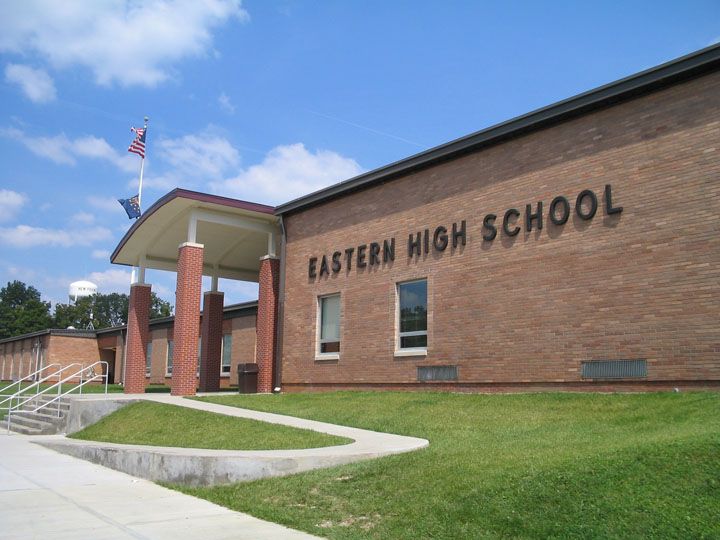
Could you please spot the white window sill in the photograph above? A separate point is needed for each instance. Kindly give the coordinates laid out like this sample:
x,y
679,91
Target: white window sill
x,y
226,375
410,352
327,356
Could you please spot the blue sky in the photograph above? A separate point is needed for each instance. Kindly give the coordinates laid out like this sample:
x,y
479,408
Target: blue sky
x,y
269,100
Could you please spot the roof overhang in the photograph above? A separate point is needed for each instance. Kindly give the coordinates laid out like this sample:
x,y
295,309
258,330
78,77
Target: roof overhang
x,y
235,234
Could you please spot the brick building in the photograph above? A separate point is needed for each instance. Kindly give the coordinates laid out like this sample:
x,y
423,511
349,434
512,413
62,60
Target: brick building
x,y
22,355
574,247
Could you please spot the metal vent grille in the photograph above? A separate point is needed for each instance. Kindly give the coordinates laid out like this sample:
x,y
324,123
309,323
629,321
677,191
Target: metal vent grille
x,y
614,369
437,373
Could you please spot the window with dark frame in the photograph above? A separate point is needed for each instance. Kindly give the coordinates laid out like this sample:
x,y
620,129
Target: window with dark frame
x,y
199,356
148,358
226,354
329,324
170,347
412,311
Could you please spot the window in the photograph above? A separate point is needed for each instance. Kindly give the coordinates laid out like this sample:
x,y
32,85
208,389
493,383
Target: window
x,y
226,354
170,347
199,356
148,358
329,326
412,313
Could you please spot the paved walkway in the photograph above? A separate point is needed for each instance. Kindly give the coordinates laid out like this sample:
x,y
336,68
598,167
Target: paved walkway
x,y
49,496
195,466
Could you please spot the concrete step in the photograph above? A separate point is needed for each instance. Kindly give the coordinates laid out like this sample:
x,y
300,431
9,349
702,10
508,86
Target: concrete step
x,y
45,421
25,430
31,426
63,404
45,415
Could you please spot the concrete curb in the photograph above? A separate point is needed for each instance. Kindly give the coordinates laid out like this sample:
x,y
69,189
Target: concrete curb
x,y
201,467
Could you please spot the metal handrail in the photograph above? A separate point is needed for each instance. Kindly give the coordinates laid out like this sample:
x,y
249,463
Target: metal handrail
x,y
78,374
36,385
28,376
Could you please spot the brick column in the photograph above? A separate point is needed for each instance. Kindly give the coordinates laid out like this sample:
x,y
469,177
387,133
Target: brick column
x,y
138,331
211,331
266,324
187,319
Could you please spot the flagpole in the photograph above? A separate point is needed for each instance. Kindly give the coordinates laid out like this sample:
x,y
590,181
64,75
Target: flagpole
x,y
142,168
133,273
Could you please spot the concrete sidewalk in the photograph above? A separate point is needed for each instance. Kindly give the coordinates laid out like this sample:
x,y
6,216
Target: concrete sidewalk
x,y
201,467
48,496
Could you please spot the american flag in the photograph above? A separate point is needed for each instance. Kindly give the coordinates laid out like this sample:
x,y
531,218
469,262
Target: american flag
x,y
138,144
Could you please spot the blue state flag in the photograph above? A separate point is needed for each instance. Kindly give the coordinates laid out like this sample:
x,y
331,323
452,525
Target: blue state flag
x,y
131,206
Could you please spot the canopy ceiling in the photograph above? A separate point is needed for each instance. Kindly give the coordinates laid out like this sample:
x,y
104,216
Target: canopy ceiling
x,y
235,234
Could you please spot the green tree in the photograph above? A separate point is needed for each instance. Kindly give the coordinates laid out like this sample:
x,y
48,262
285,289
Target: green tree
x,y
21,310
104,310
159,307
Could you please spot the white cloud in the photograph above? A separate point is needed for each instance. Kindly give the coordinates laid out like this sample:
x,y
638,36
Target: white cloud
x,y
25,236
10,204
102,254
84,218
207,160
98,148
36,84
202,155
160,183
238,291
103,203
112,280
287,172
163,292
225,103
125,42
62,150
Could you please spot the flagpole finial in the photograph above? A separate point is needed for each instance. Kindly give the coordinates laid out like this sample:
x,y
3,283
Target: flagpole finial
x,y
146,120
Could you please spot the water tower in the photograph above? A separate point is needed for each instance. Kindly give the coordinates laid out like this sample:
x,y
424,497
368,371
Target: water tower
x,y
80,289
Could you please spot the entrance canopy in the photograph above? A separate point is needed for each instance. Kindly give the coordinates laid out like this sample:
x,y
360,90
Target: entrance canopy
x,y
235,234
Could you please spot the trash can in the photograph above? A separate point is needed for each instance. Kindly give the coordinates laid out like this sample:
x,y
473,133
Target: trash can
x,y
247,378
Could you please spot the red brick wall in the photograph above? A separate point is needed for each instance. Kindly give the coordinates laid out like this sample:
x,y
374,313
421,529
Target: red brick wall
x,y
242,328
212,332
243,349
18,359
138,335
66,350
187,319
267,322
527,310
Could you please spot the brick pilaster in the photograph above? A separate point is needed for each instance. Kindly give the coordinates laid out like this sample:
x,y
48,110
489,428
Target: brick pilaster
x,y
211,331
187,319
267,321
138,331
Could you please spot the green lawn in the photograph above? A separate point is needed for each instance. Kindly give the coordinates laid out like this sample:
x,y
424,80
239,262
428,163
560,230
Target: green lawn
x,y
521,466
90,388
159,424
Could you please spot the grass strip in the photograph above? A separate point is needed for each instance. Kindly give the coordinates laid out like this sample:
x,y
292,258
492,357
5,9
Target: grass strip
x,y
498,466
159,424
